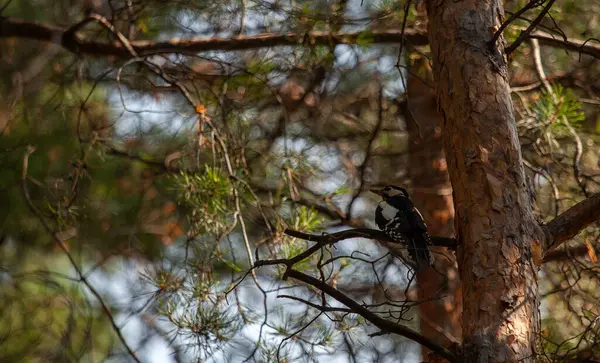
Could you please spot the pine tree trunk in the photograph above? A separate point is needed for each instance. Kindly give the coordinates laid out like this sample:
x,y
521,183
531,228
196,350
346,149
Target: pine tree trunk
x,y
432,193
494,221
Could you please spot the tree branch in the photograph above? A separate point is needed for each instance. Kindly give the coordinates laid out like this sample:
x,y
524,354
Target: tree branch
x,y
525,34
572,221
513,17
564,254
321,308
383,324
575,45
363,233
10,27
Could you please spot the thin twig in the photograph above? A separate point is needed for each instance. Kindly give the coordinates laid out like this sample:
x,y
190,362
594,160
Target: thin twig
x,y
316,306
525,34
550,179
5,6
401,47
539,68
513,17
242,17
64,248
373,318
368,152
102,20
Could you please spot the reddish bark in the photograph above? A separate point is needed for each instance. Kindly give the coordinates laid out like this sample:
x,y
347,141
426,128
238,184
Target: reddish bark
x,y
494,221
432,192
572,221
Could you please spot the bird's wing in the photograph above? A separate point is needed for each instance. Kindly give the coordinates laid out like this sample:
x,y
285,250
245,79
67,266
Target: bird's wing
x,y
418,250
419,221
379,219
400,222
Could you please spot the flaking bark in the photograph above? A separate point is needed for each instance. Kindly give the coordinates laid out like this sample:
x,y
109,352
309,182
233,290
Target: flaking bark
x,y
494,221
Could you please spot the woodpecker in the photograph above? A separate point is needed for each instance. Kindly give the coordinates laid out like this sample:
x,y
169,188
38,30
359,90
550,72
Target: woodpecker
x,y
397,216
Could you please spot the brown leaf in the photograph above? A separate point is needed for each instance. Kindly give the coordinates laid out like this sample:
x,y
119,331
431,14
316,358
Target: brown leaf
x,y
201,109
591,251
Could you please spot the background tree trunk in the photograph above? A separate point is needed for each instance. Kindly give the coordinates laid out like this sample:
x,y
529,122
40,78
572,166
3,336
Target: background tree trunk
x,y
494,221
432,192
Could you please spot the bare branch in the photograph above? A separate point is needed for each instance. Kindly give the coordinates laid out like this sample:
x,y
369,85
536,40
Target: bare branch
x,y
383,324
572,221
321,308
574,45
513,17
355,307
10,27
369,150
565,254
525,34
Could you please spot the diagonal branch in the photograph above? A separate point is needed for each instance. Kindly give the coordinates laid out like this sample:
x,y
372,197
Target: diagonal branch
x,y
383,324
525,34
368,152
321,308
572,221
513,17
354,307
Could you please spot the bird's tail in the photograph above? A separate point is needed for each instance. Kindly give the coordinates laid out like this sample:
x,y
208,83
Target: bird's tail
x,y
419,251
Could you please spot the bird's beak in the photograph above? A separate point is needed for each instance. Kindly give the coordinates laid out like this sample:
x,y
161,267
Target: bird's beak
x,y
378,191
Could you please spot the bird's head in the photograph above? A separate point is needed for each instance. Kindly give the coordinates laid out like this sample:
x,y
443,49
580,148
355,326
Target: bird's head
x,y
390,191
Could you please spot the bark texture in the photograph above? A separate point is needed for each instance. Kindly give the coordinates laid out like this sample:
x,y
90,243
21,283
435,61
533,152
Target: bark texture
x,y
494,221
440,319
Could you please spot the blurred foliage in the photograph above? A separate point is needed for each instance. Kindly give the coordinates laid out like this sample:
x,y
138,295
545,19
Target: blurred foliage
x,y
551,107
164,200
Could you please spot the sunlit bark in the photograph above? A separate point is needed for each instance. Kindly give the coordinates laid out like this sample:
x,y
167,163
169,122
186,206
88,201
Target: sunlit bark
x,y
494,221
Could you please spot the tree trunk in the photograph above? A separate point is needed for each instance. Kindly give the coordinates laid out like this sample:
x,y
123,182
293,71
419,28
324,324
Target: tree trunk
x,y
432,193
495,225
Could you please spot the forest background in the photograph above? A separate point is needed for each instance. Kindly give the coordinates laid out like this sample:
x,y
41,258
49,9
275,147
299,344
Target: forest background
x,y
176,177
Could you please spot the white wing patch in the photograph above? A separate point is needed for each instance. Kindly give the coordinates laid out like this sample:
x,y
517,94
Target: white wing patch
x,y
420,216
388,211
